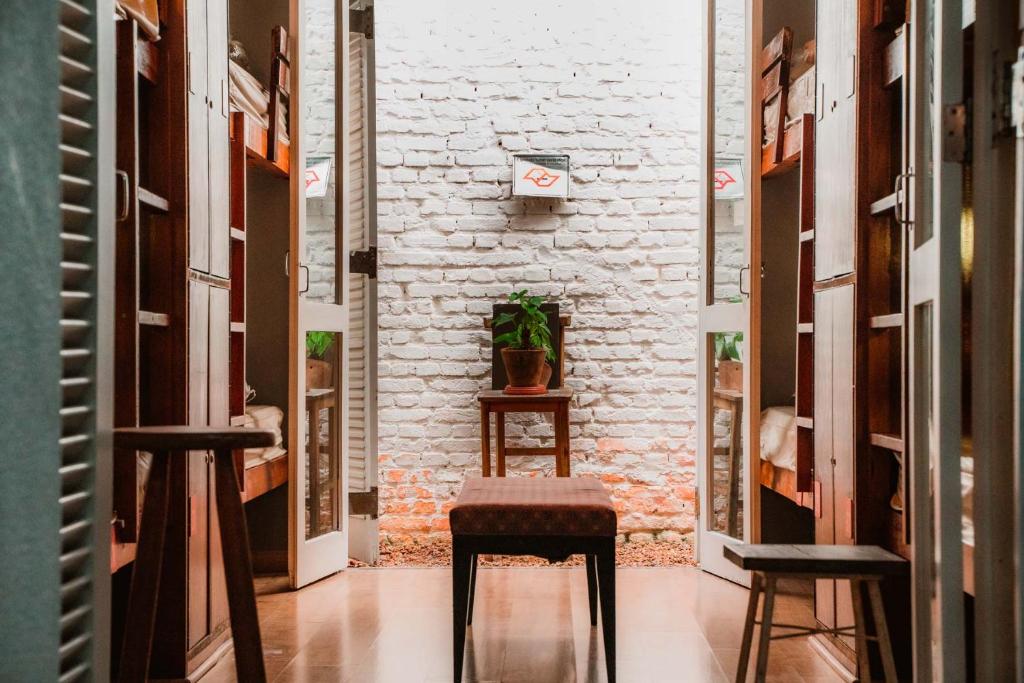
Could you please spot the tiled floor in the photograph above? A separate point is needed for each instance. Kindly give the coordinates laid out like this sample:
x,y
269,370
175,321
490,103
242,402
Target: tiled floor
x,y
675,624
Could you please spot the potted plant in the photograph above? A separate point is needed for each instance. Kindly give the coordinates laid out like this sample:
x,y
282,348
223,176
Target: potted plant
x,y
319,370
729,357
527,344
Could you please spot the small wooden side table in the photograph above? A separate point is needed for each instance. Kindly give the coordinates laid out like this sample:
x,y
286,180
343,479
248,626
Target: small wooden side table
x,y
495,401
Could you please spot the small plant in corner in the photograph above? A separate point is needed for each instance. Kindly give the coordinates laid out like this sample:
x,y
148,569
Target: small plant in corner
x,y
527,343
319,369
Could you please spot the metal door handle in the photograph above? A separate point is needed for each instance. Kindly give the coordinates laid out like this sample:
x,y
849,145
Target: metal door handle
x,y
122,214
744,269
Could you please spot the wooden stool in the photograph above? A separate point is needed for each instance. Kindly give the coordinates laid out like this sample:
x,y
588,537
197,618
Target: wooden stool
x,y
863,565
165,443
549,518
556,401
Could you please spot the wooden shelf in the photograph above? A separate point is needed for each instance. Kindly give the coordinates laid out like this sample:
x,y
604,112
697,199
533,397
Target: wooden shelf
x,y
805,422
806,235
237,234
154,319
153,200
237,328
884,204
892,442
881,322
805,328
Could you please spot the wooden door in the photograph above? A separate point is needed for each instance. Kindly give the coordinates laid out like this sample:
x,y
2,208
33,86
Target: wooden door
x,y
727,502
934,345
319,297
362,369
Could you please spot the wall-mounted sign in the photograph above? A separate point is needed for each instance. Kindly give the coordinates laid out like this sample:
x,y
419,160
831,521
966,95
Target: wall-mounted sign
x,y
540,175
728,179
318,176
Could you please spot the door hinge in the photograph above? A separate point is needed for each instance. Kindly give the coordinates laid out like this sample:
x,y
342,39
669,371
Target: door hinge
x,y
361,21
1017,94
364,261
363,503
955,124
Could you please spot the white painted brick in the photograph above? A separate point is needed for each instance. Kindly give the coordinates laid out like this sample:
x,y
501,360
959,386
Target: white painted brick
x,y
454,101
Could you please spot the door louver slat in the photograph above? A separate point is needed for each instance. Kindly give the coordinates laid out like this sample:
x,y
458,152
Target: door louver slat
x,y
77,118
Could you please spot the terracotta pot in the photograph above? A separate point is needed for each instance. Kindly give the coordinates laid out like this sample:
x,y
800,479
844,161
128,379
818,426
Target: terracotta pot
x,y
546,372
524,367
319,374
730,375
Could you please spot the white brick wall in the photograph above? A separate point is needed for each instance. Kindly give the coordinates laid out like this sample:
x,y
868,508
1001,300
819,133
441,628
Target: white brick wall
x,y
461,85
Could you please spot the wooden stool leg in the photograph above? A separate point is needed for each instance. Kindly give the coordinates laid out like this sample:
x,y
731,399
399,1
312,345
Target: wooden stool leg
x,y
485,441
606,589
766,629
234,539
499,438
860,632
882,631
145,588
748,627
460,602
472,590
592,587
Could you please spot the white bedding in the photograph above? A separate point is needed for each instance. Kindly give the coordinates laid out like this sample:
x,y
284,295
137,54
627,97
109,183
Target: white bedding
x,y
778,437
248,95
264,417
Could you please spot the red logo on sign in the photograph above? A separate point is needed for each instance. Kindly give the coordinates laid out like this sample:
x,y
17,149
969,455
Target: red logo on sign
x,y
311,177
540,177
722,179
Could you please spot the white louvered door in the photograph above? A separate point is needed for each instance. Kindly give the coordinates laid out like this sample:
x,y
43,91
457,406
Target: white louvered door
x,y
362,450
86,122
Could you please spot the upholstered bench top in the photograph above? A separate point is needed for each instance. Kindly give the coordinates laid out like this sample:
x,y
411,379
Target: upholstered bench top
x,y
526,506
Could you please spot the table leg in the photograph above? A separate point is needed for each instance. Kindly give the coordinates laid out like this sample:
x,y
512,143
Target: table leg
x,y
766,629
499,441
562,440
748,627
735,455
860,631
882,631
485,441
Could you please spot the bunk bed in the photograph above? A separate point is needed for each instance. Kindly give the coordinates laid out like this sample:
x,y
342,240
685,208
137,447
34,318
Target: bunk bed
x,y
258,132
779,454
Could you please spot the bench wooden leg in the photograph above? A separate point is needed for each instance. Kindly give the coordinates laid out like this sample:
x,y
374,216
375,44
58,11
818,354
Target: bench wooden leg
x,y
234,539
860,632
606,588
461,561
748,627
882,631
142,596
472,589
766,628
592,587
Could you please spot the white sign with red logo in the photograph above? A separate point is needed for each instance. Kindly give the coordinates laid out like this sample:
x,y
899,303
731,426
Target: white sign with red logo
x,y
728,180
318,176
540,175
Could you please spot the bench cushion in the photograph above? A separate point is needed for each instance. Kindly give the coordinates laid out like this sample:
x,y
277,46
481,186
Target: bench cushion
x,y
523,506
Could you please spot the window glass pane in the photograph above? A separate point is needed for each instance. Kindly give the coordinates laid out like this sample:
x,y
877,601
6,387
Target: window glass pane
x,y
729,205
726,471
323,430
319,126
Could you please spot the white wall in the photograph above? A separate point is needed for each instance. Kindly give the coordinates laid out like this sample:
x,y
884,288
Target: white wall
x,y
463,84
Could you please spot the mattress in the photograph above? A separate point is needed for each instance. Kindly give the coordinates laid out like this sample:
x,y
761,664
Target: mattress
x,y
264,417
248,95
778,437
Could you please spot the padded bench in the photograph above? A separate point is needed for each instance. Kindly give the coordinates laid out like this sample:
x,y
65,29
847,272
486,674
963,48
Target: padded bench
x,y
549,518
